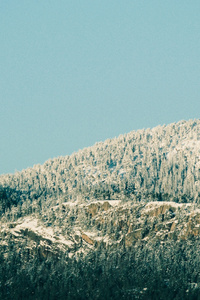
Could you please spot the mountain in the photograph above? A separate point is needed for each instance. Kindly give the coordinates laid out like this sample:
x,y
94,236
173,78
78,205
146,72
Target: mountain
x,y
117,220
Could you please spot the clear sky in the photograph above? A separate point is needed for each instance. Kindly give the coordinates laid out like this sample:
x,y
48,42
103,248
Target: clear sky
x,y
76,72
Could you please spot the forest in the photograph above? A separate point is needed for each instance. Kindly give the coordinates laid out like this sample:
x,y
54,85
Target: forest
x,y
65,195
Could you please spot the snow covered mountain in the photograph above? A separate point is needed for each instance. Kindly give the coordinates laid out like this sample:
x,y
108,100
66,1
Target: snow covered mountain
x,y
160,163
117,220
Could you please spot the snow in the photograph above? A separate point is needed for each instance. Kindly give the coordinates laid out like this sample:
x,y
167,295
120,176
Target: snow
x,y
191,144
161,203
45,232
70,203
111,202
89,233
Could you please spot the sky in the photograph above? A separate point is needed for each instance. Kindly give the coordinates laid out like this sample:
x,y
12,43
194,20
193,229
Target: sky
x,y
73,73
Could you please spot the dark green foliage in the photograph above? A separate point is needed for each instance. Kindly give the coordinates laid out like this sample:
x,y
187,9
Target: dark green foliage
x,y
8,197
170,272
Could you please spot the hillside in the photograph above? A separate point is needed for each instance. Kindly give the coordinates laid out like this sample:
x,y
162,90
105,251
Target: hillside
x,y
117,220
160,163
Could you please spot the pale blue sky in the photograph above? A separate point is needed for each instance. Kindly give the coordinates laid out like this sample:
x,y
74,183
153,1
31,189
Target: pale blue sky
x,y
76,72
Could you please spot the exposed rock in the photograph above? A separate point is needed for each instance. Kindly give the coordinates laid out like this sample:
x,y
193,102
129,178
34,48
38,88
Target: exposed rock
x,y
34,236
104,224
173,226
154,209
93,209
87,239
133,236
106,205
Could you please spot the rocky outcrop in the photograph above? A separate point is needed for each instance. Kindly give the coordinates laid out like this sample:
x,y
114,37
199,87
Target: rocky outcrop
x,y
86,238
96,207
101,224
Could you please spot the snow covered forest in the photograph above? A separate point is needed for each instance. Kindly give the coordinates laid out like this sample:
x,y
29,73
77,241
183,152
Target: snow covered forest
x,y
162,163
118,220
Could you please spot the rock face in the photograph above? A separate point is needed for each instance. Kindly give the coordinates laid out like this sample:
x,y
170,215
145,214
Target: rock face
x,y
101,239
94,208
87,239
101,223
154,209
